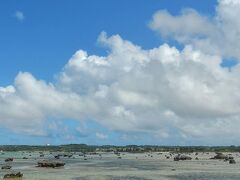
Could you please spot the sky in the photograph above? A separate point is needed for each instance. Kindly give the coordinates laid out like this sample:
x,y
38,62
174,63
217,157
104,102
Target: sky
x,y
120,72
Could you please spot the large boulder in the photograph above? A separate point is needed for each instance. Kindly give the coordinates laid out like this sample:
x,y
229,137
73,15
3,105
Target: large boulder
x,y
181,157
51,163
13,175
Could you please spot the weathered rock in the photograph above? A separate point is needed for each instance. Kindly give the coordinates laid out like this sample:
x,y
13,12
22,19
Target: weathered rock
x,y
220,156
8,159
181,157
13,175
232,161
6,167
51,163
57,157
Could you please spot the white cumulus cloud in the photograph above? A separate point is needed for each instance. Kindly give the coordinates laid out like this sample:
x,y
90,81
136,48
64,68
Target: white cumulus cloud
x,y
216,35
161,91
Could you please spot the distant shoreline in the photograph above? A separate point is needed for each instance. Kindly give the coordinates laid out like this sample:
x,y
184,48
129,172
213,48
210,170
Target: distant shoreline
x,y
112,148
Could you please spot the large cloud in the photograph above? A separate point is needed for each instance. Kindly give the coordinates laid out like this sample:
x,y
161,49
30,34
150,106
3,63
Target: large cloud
x,y
217,35
157,91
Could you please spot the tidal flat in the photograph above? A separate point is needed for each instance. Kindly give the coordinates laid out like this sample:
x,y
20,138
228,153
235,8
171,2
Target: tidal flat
x,y
123,166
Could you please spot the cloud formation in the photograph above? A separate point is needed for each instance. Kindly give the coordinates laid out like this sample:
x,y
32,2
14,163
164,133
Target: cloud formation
x,y
215,35
162,91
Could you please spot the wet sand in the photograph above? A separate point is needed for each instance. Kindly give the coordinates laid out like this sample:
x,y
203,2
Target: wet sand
x,y
142,166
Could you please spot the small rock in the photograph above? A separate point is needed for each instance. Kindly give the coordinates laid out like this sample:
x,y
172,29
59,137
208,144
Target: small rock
x,y
13,175
232,161
6,167
8,159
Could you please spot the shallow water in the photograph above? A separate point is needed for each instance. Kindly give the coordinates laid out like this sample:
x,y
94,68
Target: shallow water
x,y
130,167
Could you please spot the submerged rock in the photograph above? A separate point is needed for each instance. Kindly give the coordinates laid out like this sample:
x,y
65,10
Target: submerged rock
x,y
51,163
13,175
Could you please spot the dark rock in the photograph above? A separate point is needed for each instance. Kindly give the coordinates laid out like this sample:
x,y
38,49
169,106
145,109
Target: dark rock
x,y
57,157
8,159
6,167
13,175
25,158
51,163
232,161
220,156
181,157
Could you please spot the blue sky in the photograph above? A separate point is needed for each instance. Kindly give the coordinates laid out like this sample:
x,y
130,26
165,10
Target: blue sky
x,y
39,37
52,31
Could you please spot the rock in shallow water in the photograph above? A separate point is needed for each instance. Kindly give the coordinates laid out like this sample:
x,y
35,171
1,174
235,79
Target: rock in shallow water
x,y
220,156
8,159
51,163
181,157
6,167
13,175
232,161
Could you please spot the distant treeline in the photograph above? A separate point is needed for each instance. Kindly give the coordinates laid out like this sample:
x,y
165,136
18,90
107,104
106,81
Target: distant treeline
x,y
129,148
